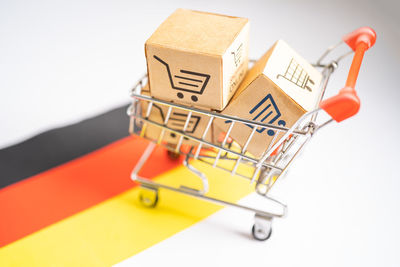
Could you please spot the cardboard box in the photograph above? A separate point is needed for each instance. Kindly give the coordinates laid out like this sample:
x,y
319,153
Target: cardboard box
x,y
196,127
197,58
278,90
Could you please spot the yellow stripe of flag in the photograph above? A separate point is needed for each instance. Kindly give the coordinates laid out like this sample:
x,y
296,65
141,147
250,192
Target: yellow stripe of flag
x,y
120,227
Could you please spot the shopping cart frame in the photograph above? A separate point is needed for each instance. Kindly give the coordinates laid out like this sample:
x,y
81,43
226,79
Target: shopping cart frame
x,y
286,145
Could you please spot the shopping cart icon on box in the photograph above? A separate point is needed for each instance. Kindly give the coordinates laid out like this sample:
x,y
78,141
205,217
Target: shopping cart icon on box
x,y
263,110
237,55
187,81
297,75
178,122
266,109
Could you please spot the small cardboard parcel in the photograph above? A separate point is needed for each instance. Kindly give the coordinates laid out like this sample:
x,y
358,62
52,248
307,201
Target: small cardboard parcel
x,y
277,90
196,126
197,58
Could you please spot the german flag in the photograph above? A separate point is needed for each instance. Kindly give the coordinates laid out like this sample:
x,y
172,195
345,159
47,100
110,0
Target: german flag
x,y
66,197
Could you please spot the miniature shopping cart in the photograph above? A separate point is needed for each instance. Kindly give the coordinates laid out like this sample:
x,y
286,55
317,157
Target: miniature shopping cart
x,y
285,146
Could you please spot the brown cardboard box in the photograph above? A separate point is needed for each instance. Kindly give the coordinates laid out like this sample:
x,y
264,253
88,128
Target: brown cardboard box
x,y
278,90
197,58
196,127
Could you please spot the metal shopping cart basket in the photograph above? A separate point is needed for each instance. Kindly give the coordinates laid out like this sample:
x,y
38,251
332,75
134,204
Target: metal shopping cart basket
x,y
265,170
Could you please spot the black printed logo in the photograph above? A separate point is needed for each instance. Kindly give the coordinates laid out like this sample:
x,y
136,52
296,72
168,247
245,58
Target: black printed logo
x,y
187,81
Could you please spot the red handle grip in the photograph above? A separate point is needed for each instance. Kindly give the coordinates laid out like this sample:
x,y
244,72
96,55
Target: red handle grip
x,y
346,103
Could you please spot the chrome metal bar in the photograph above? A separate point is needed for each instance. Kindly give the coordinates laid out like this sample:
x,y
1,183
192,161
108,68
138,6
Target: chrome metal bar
x,y
225,169
139,84
149,109
273,140
266,214
161,136
325,123
327,51
143,131
243,150
286,135
131,124
248,158
286,149
217,115
270,178
144,128
255,173
146,154
340,58
307,139
324,83
203,137
224,142
184,130
264,153
199,174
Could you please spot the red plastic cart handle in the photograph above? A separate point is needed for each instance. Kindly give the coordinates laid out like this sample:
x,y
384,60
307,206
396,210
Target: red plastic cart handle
x,y
346,103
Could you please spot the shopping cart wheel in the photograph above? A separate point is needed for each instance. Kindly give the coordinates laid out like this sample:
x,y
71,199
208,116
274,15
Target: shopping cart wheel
x,y
261,233
148,196
262,228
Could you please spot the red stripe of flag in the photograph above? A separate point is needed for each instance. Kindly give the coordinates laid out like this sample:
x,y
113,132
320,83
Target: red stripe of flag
x,y
53,195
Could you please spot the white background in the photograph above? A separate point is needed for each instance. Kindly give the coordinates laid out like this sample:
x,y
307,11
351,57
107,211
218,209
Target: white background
x,y
62,61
